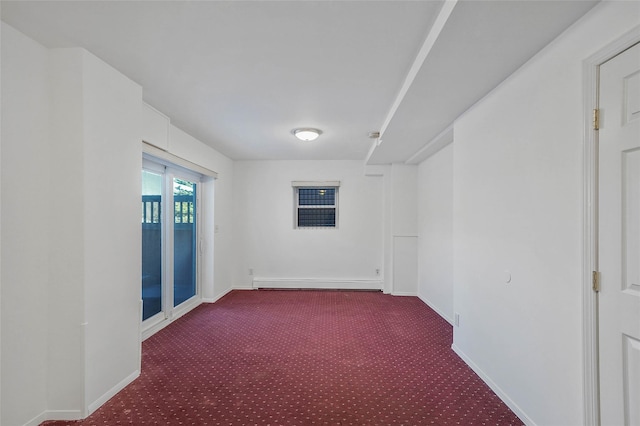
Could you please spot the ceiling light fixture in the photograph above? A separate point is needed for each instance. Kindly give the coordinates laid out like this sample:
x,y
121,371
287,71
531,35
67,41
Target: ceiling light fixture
x,y
306,134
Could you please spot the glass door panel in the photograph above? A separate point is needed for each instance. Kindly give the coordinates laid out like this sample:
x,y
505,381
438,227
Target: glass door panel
x,y
151,244
170,281
184,241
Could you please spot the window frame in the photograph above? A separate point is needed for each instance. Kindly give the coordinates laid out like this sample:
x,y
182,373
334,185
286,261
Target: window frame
x,y
297,185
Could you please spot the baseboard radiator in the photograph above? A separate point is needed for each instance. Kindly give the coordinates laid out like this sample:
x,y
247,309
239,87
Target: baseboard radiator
x,y
317,283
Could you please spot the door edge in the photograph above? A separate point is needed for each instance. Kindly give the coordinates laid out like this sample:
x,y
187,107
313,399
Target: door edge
x,y
591,384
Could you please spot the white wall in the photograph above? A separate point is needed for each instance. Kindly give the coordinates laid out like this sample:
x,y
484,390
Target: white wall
x,y
404,205
112,107
264,217
435,230
71,142
24,242
403,229
517,206
65,187
399,226
94,230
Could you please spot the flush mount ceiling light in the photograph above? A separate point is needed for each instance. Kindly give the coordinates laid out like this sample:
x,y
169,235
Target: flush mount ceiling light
x,y
306,134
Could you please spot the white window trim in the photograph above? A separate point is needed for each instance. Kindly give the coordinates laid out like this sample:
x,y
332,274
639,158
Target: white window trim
x,y
315,184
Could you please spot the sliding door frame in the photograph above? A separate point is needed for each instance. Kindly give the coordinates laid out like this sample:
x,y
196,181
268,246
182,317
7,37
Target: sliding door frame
x,y
153,321
195,300
170,312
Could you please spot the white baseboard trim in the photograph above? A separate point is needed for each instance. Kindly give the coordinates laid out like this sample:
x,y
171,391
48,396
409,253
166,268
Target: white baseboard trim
x,y
403,293
54,415
438,311
218,297
494,387
111,392
42,417
243,287
317,283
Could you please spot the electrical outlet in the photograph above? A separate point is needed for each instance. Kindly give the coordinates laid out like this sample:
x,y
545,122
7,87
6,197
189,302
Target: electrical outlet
x,y
250,271
377,272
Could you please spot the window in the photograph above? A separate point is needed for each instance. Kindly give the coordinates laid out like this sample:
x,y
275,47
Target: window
x,y
316,204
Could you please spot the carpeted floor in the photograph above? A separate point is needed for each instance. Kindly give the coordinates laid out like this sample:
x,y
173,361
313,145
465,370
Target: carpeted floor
x,y
304,358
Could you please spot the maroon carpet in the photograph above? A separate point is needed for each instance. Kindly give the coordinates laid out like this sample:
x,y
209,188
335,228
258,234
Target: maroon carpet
x,y
302,358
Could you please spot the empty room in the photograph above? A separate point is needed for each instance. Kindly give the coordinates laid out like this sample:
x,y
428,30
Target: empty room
x,y
320,212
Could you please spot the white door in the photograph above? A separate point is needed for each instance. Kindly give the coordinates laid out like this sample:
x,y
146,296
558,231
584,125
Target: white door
x,y
619,239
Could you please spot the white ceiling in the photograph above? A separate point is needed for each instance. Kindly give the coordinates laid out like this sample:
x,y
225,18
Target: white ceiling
x,y
240,75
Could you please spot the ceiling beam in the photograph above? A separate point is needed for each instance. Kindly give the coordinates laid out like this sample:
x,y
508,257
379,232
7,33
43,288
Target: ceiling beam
x,y
432,147
430,40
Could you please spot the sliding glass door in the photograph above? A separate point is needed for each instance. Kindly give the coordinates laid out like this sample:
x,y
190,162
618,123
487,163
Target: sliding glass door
x,y
152,288
184,240
170,237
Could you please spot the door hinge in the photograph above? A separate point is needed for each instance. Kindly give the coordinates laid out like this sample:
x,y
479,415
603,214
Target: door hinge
x,y
596,119
595,279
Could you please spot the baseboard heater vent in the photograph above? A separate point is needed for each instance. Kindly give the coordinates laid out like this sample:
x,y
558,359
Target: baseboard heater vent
x,y
317,283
